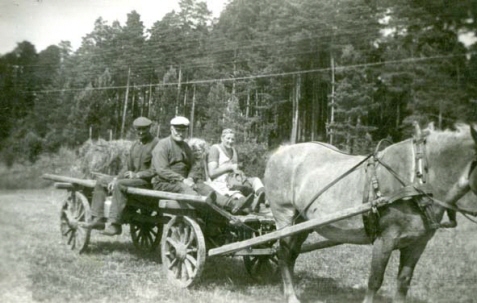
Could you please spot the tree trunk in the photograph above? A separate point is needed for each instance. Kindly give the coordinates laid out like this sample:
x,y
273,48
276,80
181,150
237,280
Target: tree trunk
x,y
178,91
125,105
332,116
192,114
296,110
247,110
149,103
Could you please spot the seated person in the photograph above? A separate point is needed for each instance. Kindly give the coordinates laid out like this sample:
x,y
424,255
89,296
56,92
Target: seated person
x,y
175,168
199,149
137,173
223,161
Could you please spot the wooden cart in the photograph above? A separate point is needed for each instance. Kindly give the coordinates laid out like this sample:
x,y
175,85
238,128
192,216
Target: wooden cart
x,y
189,227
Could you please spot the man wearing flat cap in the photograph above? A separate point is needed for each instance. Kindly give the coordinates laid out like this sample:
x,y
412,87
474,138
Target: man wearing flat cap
x,y
173,161
137,173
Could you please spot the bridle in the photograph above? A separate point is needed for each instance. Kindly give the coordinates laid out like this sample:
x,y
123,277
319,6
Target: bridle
x,y
473,175
417,189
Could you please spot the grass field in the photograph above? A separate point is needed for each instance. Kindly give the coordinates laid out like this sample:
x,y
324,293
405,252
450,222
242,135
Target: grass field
x,y
35,266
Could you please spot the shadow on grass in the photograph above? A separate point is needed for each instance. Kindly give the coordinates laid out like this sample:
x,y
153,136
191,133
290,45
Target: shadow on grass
x,y
230,274
223,271
328,290
106,247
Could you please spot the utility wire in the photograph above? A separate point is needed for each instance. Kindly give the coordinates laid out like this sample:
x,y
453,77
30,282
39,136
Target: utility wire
x,y
272,75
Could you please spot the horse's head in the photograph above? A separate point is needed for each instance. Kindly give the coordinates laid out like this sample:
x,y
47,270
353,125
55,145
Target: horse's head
x,y
452,161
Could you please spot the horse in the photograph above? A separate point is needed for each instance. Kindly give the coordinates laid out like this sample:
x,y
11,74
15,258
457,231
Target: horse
x,y
311,180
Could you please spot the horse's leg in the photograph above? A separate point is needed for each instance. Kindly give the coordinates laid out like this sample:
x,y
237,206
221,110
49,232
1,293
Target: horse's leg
x,y
287,255
410,255
382,249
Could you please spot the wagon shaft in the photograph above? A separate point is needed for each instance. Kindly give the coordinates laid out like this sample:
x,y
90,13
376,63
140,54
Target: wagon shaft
x,y
298,228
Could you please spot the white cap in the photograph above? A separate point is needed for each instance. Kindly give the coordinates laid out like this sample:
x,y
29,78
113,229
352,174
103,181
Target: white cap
x,y
180,121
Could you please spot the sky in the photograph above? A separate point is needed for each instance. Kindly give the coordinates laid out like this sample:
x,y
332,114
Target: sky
x,y
48,22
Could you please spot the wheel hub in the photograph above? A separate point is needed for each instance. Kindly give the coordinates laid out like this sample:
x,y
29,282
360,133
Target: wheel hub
x,y
181,252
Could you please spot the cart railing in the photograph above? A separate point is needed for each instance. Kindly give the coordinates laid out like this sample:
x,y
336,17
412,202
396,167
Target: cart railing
x,y
132,190
58,178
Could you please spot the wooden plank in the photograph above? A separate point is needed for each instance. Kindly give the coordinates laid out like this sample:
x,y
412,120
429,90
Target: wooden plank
x,y
309,247
166,195
77,181
64,185
295,229
131,190
256,252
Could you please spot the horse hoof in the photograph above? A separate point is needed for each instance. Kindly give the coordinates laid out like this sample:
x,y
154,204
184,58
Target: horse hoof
x,y
293,299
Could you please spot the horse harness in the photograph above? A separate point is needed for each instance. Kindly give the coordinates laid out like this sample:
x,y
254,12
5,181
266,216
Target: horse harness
x,y
419,191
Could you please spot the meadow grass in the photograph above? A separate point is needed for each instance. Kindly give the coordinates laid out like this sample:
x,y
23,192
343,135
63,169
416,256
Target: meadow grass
x,y
36,266
26,175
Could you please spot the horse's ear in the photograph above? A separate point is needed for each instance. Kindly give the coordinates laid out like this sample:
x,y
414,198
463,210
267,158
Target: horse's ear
x,y
473,131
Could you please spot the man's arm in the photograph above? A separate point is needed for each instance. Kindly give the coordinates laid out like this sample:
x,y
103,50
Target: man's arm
x,y
126,170
146,174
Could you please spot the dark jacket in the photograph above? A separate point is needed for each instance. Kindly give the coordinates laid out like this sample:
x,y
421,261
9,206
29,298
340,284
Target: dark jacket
x,y
172,160
140,159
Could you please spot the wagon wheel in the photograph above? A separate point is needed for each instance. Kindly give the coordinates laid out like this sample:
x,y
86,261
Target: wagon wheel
x,y
146,236
183,251
262,268
75,211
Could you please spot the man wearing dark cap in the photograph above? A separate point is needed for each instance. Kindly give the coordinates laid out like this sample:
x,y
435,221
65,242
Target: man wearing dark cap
x,y
137,173
173,160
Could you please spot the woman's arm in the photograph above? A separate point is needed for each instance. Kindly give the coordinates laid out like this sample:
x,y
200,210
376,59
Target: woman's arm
x,y
213,164
216,171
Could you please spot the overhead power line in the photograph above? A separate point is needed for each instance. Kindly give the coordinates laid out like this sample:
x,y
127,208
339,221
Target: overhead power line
x,y
272,75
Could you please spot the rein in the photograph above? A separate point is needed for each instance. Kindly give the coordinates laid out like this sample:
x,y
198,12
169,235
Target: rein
x,y
421,169
349,171
418,188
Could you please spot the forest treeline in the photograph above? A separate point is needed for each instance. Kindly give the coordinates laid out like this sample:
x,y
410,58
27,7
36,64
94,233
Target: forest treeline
x,y
348,72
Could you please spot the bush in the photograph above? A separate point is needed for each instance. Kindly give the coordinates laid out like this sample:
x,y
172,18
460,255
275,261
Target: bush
x,y
253,157
33,146
53,141
28,176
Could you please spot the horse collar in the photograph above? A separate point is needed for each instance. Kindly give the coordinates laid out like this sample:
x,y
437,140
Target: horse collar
x,y
420,159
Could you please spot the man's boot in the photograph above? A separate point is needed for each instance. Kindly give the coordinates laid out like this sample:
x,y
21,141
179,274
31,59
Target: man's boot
x,y
96,223
242,204
113,229
259,199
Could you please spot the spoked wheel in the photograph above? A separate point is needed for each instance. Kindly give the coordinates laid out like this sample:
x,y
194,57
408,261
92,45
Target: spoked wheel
x,y
183,251
262,268
74,212
146,236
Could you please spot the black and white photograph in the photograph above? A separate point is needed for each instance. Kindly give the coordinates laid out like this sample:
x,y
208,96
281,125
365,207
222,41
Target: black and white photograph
x,y
238,151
